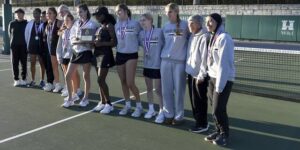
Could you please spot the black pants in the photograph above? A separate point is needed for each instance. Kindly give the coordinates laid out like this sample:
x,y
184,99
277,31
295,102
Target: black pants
x,y
19,54
48,66
198,97
219,103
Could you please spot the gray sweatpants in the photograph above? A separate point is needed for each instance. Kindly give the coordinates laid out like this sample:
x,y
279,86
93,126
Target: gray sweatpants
x,y
173,80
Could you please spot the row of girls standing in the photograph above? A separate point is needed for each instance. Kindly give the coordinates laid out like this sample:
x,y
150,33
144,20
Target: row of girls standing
x,y
178,48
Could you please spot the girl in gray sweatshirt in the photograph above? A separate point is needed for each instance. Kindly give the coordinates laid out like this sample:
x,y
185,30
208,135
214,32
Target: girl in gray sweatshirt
x,y
127,31
151,39
173,65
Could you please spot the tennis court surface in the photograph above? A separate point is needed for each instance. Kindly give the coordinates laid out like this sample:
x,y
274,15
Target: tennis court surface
x,y
32,119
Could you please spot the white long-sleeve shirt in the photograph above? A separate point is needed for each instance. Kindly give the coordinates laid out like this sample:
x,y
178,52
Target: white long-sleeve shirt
x,y
75,31
196,61
64,48
222,67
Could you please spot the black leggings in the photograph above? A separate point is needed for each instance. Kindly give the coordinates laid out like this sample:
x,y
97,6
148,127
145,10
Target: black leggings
x,y
219,104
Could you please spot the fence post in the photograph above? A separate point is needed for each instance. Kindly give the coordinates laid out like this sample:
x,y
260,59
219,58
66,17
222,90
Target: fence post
x,y
7,17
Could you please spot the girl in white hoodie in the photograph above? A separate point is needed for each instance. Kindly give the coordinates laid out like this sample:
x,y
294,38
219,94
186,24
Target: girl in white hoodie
x,y
221,70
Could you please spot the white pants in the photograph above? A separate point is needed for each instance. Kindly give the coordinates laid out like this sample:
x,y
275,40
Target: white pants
x,y
173,79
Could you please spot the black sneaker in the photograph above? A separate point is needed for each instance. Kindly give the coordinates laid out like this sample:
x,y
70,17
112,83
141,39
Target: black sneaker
x,y
199,129
211,137
31,84
220,140
42,83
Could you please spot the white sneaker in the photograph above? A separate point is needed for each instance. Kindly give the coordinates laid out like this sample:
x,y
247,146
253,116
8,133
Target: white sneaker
x,y
75,98
84,102
22,82
16,83
57,88
137,112
150,114
125,110
160,118
107,109
48,87
79,92
99,107
64,89
64,93
67,104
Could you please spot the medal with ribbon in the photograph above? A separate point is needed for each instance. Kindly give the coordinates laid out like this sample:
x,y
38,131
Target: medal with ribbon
x,y
210,47
147,41
36,27
50,30
66,39
81,25
122,30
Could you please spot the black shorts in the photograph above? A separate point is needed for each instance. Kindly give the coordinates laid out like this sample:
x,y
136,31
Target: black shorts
x,y
151,73
53,52
82,57
33,52
122,58
105,61
65,61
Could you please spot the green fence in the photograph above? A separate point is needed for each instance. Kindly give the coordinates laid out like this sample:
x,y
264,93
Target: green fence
x,y
273,28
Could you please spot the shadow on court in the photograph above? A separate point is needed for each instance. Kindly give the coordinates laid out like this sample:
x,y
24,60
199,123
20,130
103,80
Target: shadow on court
x,y
244,134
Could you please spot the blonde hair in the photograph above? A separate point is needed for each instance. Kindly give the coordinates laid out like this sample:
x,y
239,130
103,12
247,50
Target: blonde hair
x,y
148,16
63,7
175,7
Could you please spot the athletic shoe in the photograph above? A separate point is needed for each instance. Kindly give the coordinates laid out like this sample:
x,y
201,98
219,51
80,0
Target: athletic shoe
x,y
107,109
31,84
42,83
160,118
197,129
23,82
16,83
149,114
99,107
137,112
220,140
64,93
75,98
211,137
79,92
64,89
176,122
48,87
57,88
125,110
84,102
67,104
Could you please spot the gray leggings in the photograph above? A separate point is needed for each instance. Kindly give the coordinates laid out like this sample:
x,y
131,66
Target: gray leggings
x,y
173,79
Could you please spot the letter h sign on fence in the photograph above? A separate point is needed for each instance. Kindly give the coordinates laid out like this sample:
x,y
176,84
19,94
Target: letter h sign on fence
x,y
288,25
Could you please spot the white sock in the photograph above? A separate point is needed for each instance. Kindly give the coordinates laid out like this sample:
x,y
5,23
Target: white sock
x,y
139,104
128,103
151,107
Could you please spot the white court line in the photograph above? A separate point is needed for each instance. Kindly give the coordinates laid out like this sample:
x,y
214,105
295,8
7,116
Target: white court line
x,y
5,69
57,122
4,61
